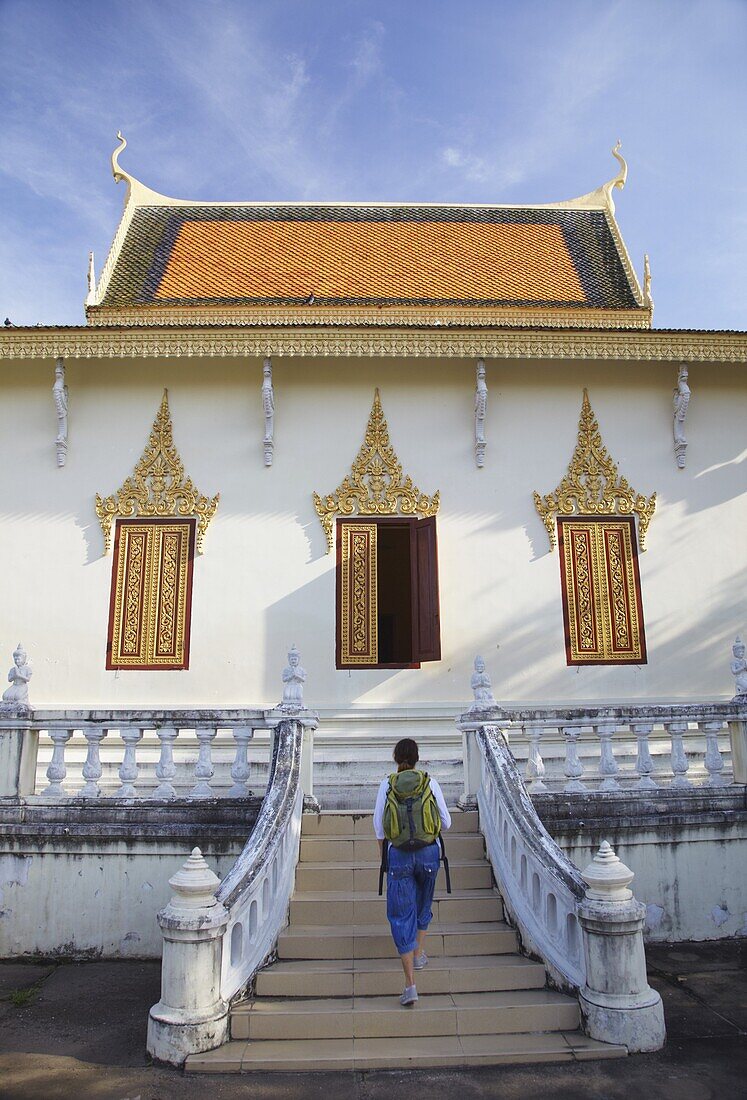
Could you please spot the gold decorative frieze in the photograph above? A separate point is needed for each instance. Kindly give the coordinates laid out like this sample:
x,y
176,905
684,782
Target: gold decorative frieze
x,y
375,485
183,340
322,316
592,485
157,486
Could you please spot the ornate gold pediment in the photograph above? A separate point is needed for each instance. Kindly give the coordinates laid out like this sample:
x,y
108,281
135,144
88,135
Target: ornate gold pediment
x,y
592,485
157,486
375,485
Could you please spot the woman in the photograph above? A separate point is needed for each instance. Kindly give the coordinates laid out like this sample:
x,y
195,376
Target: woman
x,y
411,877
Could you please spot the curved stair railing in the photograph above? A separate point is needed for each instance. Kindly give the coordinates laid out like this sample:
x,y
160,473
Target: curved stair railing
x,y
539,885
587,927
256,891
218,935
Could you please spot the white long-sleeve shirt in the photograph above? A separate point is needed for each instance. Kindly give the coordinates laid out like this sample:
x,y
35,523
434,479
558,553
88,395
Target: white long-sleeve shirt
x,y
378,817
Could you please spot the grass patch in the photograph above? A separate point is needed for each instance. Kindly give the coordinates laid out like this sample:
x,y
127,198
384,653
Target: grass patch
x,y
22,997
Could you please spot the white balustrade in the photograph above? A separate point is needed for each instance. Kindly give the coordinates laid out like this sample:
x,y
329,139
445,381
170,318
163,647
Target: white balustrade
x,y
240,767
166,768
587,928
539,885
257,889
204,770
128,771
574,769
92,768
616,749
57,771
535,764
713,761
608,769
680,765
644,765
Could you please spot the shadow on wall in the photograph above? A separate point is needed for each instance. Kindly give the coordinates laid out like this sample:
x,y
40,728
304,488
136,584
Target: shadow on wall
x,y
679,639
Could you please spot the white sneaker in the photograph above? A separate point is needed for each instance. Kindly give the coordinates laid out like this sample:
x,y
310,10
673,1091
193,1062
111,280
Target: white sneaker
x,y
420,962
409,997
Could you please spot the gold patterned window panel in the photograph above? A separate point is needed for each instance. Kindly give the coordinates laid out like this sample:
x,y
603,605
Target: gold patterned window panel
x,y
149,615
602,609
357,632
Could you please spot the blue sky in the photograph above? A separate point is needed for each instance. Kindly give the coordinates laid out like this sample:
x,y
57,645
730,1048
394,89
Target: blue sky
x,y
408,100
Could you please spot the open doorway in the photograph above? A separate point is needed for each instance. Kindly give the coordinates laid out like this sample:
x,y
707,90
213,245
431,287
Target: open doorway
x,y
387,593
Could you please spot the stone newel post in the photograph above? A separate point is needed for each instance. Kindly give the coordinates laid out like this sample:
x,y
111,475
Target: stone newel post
x,y
617,1002
191,1016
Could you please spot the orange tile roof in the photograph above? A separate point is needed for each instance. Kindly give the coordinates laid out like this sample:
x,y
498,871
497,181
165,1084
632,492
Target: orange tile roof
x,y
370,260
353,255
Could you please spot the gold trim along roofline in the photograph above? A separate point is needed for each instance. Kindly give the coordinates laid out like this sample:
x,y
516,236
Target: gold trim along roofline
x,y
136,342
386,315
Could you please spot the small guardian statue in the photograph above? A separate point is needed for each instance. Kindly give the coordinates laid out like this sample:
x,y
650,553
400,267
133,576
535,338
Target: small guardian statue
x,y
17,695
268,408
294,678
59,393
481,687
481,408
680,401
739,670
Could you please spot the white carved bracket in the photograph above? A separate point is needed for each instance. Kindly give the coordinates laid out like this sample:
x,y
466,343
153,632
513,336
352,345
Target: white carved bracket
x,y
59,394
680,401
481,408
268,411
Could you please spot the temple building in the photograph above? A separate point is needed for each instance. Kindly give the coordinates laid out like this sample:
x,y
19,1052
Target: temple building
x,y
438,455
419,433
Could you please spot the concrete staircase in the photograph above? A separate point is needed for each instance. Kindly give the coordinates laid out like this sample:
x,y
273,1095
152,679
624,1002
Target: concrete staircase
x,y
330,1002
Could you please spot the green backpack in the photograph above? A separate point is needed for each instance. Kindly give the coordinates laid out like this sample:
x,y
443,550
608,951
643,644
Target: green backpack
x,y
411,817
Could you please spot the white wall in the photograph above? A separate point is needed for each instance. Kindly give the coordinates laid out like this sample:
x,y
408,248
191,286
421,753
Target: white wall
x,y
97,896
91,897
265,579
690,877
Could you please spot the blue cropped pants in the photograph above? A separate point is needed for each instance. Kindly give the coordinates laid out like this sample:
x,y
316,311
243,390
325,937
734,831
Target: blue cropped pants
x,y
411,881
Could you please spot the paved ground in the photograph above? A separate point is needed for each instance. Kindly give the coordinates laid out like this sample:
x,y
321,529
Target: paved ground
x,y
77,1031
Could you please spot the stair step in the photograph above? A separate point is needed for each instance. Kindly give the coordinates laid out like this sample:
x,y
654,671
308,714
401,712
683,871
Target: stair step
x,y
365,849
350,877
367,907
375,942
493,1013
343,822
310,1055
383,977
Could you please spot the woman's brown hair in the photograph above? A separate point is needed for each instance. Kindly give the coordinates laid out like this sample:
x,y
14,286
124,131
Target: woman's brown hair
x,y
406,754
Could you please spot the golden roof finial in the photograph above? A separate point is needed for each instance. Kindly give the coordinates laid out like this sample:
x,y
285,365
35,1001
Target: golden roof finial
x,y
91,295
647,299
116,170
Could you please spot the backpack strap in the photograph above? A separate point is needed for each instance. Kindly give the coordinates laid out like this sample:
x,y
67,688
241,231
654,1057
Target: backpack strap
x,y
391,810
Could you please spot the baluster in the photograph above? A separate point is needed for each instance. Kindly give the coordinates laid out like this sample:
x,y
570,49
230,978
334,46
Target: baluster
x,y
535,764
128,770
574,769
644,765
242,735
56,771
166,768
713,761
680,764
92,768
608,769
204,766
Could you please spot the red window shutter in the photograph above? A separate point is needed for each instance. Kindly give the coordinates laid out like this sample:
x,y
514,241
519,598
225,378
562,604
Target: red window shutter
x,y
427,609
